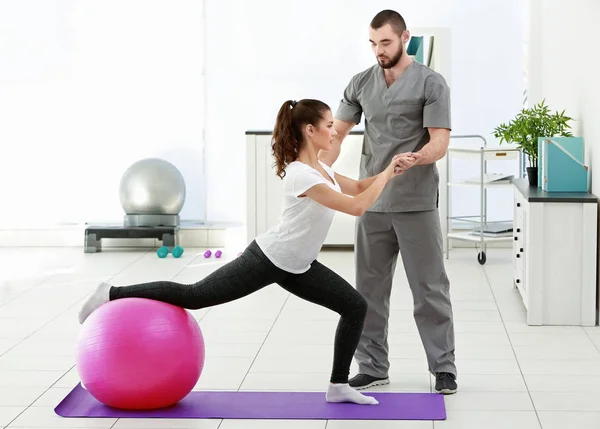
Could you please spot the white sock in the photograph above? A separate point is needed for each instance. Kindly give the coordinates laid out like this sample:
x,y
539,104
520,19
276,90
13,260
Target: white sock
x,y
96,299
345,393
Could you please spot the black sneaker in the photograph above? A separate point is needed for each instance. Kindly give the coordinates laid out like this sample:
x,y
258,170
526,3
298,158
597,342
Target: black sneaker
x,y
364,381
445,383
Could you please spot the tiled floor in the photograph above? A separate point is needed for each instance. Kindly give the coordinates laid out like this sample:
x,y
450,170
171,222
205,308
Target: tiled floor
x,y
510,375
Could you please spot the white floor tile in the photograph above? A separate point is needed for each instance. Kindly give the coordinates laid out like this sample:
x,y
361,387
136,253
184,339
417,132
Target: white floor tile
x,y
477,316
272,350
220,350
522,328
487,366
473,294
481,339
285,382
465,305
70,379
574,339
64,328
461,327
562,383
19,396
489,401
10,362
7,414
52,397
231,380
566,401
513,316
43,347
236,311
297,364
582,352
491,383
223,373
45,417
569,419
562,367
232,337
488,352
490,420
7,344
36,379
312,313
595,339
208,324
15,328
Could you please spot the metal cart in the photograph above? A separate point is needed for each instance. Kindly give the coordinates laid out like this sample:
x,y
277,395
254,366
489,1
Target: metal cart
x,y
479,222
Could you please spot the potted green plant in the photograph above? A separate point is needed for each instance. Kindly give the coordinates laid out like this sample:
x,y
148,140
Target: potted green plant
x,y
525,129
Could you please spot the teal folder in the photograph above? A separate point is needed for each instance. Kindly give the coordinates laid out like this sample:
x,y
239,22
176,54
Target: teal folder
x,y
561,164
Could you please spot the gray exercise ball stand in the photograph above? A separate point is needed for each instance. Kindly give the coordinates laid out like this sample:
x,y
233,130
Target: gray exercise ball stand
x,y
152,193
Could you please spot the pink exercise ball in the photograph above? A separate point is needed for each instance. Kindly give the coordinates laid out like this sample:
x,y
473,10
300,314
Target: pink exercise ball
x,y
139,354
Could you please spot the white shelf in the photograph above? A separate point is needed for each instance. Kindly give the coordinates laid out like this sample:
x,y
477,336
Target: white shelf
x,y
467,236
477,220
485,185
481,154
489,154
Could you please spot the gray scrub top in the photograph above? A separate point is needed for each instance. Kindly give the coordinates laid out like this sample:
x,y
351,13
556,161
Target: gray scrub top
x,y
396,121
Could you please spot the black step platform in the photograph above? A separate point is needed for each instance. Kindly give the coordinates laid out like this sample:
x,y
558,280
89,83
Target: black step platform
x,y
94,234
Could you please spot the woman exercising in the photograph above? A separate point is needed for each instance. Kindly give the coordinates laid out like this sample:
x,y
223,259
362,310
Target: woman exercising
x,y
286,254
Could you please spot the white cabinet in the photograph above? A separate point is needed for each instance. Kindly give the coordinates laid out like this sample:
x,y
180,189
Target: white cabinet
x,y
554,255
264,188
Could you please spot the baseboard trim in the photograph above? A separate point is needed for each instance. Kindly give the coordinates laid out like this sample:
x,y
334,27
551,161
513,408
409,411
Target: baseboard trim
x,y
189,235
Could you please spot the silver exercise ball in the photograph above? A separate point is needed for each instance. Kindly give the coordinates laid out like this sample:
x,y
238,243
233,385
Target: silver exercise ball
x,y
152,186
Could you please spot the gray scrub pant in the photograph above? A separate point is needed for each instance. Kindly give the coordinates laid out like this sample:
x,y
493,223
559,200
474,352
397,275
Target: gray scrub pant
x,y
418,238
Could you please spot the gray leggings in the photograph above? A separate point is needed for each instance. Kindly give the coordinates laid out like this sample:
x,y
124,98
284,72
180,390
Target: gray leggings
x,y
251,272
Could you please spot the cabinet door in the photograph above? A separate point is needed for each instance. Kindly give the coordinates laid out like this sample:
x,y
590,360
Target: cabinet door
x,y
269,187
519,241
342,228
523,252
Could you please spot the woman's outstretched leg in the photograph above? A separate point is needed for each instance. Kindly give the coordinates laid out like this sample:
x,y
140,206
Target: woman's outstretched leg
x,y
324,287
246,274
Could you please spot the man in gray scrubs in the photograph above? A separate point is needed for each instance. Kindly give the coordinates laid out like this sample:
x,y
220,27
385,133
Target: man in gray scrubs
x,y
407,110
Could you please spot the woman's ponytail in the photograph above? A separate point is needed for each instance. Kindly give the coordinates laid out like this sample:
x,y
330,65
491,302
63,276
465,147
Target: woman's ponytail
x,y
287,136
285,140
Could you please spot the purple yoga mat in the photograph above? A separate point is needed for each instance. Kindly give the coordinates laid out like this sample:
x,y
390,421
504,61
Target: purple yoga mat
x,y
266,405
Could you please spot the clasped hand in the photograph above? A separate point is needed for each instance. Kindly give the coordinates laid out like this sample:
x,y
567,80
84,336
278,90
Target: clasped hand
x,y
404,161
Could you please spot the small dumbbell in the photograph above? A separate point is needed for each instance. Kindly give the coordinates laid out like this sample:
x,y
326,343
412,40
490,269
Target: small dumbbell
x,y
163,251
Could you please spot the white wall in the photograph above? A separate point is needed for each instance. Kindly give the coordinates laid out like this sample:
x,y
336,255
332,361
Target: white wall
x,y
86,89
563,68
261,53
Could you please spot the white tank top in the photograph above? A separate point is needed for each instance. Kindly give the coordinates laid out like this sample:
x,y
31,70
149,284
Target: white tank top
x,y
296,240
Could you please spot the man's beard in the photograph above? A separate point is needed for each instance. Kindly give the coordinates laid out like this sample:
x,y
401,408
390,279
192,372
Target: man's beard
x,y
387,63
